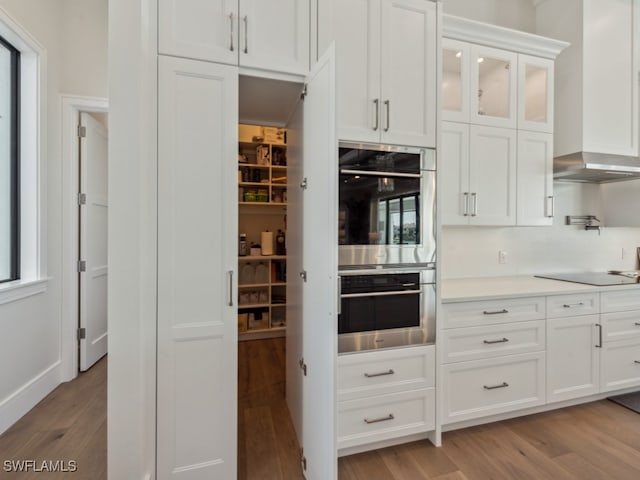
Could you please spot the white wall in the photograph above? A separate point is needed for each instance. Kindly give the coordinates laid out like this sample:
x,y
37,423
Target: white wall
x,y
473,251
516,14
30,329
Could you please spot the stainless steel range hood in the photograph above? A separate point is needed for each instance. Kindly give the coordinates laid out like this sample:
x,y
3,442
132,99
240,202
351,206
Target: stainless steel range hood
x,y
593,167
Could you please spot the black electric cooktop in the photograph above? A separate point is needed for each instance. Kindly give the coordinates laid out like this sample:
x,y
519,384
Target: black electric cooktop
x,y
598,279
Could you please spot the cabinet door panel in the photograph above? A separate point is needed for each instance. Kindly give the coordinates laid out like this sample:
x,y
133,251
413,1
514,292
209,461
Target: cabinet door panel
x,y
493,87
535,178
408,49
573,360
197,324
535,94
454,173
455,80
201,29
620,365
357,36
492,168
274,35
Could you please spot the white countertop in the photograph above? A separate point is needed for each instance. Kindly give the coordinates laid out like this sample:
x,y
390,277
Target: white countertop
x,y
484,288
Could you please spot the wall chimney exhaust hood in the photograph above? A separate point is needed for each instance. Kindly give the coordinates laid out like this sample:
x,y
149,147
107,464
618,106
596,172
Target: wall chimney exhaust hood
x,y
596,88
591,167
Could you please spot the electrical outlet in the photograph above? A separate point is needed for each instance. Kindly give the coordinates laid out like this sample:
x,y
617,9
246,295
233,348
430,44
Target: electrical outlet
x,y
502,256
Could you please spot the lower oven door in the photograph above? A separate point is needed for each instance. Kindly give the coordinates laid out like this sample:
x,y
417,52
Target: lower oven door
x,y
369,321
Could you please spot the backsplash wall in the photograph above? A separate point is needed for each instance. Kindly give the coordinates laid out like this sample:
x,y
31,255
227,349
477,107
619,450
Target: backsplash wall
x,y
473,251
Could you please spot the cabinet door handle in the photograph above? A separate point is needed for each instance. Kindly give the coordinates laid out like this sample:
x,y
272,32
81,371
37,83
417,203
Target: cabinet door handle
x,y
466,204
491,342
376,104
380,374
231,31
550,206
383,419
493,387
637,324
246,34
636,361
230,275
340,297
599,335
571,305
495,312
474,197
388,105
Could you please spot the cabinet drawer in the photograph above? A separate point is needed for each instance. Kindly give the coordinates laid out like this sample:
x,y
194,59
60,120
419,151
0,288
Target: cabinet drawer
x,y
571,305
620,300
488,312
620,325
620,365
384,417
374,373
473,343
488,387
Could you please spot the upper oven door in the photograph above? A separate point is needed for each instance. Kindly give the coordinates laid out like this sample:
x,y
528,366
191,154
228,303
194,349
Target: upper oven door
x,y
386,206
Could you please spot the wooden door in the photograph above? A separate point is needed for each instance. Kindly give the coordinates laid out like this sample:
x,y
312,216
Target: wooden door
x,y
274,35
408,69
200,29
93,242
535,178
357,37
454,174
197,260
492,173
320,264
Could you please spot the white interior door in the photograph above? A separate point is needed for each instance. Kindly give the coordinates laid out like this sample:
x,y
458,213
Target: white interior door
x,y
320,261
93,241
197,261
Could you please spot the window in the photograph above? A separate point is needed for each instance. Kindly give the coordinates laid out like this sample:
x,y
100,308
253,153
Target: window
x,y
399,220
9,162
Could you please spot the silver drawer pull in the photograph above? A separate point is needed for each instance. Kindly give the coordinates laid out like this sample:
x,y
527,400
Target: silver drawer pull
x,y
636,361
490,342
497,312
381,374
493,387
571,305
383,419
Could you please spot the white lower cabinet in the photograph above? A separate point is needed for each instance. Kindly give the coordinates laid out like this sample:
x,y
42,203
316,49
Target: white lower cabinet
x,y
620,365
385,394
573,357
487,387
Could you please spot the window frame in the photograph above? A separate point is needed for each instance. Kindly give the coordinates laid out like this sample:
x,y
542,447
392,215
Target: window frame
x,y
14,247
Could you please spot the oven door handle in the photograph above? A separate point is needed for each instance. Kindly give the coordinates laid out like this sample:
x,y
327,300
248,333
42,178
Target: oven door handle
x,y
380,294
380,174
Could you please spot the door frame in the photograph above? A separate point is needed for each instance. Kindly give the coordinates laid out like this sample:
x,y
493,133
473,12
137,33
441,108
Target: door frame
x,y
72,105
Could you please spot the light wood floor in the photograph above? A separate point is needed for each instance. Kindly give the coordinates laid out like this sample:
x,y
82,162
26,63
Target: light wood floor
x,y
595,441
69,424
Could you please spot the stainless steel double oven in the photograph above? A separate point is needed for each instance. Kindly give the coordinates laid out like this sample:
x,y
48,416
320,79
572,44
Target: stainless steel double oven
x,y
387,246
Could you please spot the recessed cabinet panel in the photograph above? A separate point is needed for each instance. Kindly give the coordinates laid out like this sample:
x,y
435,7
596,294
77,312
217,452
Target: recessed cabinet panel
x,y
620,365
535,201
455,80
493,87
454,171
535,94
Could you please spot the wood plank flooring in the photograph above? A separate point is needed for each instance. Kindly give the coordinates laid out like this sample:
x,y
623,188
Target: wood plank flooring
x,y
69,424
595,441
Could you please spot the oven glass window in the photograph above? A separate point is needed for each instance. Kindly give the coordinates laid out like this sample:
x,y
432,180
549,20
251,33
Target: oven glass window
x,y
370,313
379,210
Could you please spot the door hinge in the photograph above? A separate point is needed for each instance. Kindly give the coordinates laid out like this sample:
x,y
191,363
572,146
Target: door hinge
x,y
303,366
82,333
304,183
82,131
82,266
82,199
303,276
303,93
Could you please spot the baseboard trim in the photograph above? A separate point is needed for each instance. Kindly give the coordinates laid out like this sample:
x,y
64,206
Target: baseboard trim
x,y
26,397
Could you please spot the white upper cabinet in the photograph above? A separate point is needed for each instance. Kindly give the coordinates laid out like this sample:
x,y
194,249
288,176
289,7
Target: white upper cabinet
x,y
535,201
455,80
270,35
493,86
386,68
535,94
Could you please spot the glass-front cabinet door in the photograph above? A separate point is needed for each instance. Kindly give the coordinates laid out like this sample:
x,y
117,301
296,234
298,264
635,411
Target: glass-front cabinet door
x,y
535,94
493,87
455,80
